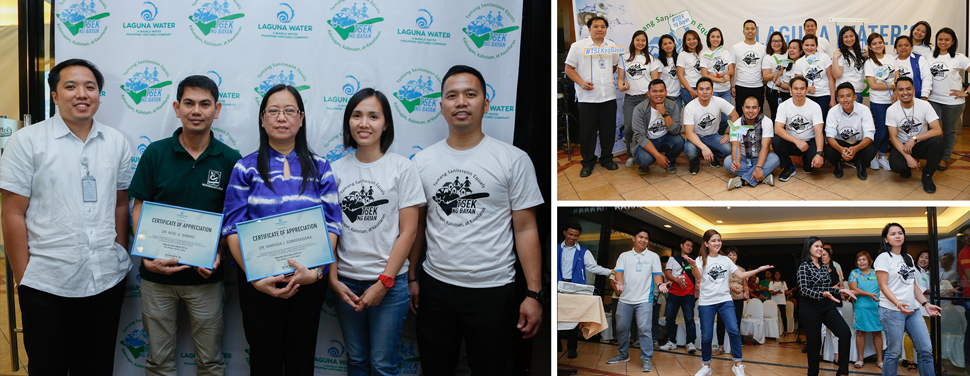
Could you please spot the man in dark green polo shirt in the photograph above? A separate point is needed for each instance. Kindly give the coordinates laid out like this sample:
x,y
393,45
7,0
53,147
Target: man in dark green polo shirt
x,y
190,169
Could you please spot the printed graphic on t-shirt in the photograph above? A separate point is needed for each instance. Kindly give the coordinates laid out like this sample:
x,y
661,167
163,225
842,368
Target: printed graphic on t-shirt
x,y
362,205
720,65
672,71
848,133
814,73
707,121
750,59
886,72
657,128
697,66
903,72
717,273
906,273
458,197
798,124
636,71
910,126
938,70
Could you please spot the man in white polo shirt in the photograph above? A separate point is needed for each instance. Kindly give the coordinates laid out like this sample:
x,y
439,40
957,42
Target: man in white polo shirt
x,y
798,131
915,132
849,132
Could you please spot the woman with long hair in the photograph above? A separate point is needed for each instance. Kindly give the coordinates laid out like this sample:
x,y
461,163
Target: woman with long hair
x,y
880,71
920,35
635,85
713,270
665,68
772,69
947,94
835,274
689,66
281,314
901,297
739,293
816,306
715,65
816,67
866,309
372,273
850,61
794,53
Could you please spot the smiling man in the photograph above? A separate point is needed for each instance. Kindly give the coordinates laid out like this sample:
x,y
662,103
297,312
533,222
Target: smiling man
x,y
482,195
65,226
915,133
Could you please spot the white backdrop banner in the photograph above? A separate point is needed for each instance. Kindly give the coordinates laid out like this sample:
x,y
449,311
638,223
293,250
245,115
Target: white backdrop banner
x,y
890,18
328,50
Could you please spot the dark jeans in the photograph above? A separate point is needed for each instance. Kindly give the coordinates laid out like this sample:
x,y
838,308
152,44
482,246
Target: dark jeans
x,y
823,102
686,303
882,133
785,150
656,322
834,156
783,311
596,118
71,335
738,310
813,315
742,93
282,333
484,317
931,150
773,97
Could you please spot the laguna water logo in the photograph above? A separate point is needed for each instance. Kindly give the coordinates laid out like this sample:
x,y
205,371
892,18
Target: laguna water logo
x,y
135,344
284,28
415,149
214,24
143,142
81,22
334,360
497,111
488,34
144,90
277,74
227,98
423,34
147,26
348,88
354,25
417,97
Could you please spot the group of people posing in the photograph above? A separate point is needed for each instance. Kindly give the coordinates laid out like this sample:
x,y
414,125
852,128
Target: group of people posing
x,y
888,295
67,244
680,102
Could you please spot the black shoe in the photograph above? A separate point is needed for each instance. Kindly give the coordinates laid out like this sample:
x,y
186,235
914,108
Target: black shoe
x,y
585,172
643,170
694,169
838,170
715,163
928,185
941,166
787,173
861,171
609,165
571,354
805,350
906,174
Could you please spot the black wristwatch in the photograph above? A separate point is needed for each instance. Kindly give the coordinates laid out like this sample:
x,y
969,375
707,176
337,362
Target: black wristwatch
x,y
540,295
665,114
818,152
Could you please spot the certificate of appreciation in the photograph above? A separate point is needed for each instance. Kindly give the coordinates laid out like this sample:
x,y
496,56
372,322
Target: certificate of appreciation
x,y
267,242
166,232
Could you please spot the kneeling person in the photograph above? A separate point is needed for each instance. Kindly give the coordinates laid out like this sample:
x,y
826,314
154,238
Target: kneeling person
x,y
849,132
750,159
656,132
701,119
798,130
914,130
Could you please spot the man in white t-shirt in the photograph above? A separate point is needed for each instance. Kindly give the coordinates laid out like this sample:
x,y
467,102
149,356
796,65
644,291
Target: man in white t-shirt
x,y
747,57
915,133
798,131
638,272
596,94
656,132
481,195
810,27
849,132
750,159
574,261
701,119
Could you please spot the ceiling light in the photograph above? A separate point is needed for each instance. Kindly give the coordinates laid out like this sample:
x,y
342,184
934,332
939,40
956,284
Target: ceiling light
x,y
667,226
729,208
720,221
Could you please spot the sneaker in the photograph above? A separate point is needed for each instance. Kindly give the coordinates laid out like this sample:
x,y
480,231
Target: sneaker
x,y
861,171
787,173
694,169
858,364
636,344
875,163
656,345
571,354
647,367
738,370
585,172
735,182
704,371
769,179
928,185
838,170
906,174
691,349
629,162
884,162
880,365
715,163
609,165
619,358
941,166
669,346
643,170
672,169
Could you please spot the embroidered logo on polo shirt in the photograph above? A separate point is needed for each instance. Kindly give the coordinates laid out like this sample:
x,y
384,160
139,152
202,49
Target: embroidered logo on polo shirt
x,y
458,198
215,177
361,205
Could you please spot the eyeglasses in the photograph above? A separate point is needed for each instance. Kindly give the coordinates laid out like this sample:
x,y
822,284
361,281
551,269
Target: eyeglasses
x,y
289,112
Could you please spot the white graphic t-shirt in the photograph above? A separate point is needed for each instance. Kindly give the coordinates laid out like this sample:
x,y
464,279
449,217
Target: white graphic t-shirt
x,y
813,67
885,73
947,75
771,62
800,120
717,62
714,279
851,128
910,122
668,73
905,68
638,74
706,119
692,67
747,64
900,281
851,73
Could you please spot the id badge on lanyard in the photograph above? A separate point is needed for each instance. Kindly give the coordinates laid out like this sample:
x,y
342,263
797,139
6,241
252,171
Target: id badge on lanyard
x,y
89,186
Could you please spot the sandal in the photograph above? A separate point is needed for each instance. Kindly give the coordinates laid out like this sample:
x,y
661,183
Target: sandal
x,y
911,368
858,364
717,352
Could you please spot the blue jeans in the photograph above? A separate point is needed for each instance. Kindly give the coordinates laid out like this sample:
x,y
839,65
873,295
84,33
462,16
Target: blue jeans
x,y
726,311
712,142
823,102
685,97
686,303
882,133
373,335
644,313
747,166
893,324
949,116
725,95
670,145
858,97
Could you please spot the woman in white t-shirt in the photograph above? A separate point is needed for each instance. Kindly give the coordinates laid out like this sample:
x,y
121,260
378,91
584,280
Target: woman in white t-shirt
x,y
638,75
778,288
946,96
689,66
880,72
901,297
773,66
849,62
665,68
716,64
794,53
817,68
919,34
379,194
712,271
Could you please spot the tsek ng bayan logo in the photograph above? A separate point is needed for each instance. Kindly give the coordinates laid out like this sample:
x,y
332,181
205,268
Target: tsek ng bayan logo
x,y
135,344
423,33
147,25
284,27
489,31
336,149
418,96
81,22
143,91
280,74
352,28
214,23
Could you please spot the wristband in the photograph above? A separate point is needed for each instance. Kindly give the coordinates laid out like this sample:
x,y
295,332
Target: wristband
x,y
412,280
924,303
818,153
757,166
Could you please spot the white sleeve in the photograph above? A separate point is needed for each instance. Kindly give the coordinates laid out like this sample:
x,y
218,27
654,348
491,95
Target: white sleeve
x,y
592,266
410,189
17,165
689,114
868,126
881,263
620,267
657,268
767,127
891,118
732,267
125,173
832,122
799,68
725,106
572,58
869,68
523,188
782,115
931,114
816,113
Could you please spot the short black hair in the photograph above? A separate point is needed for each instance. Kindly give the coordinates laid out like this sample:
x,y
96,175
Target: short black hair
x,y
656,82
905,79
198,82
387,136
574,226
704,79
55,74
804,80
641,229
845,85
810,19
589,22
810,36
458,69
731,249
685,240
749,21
